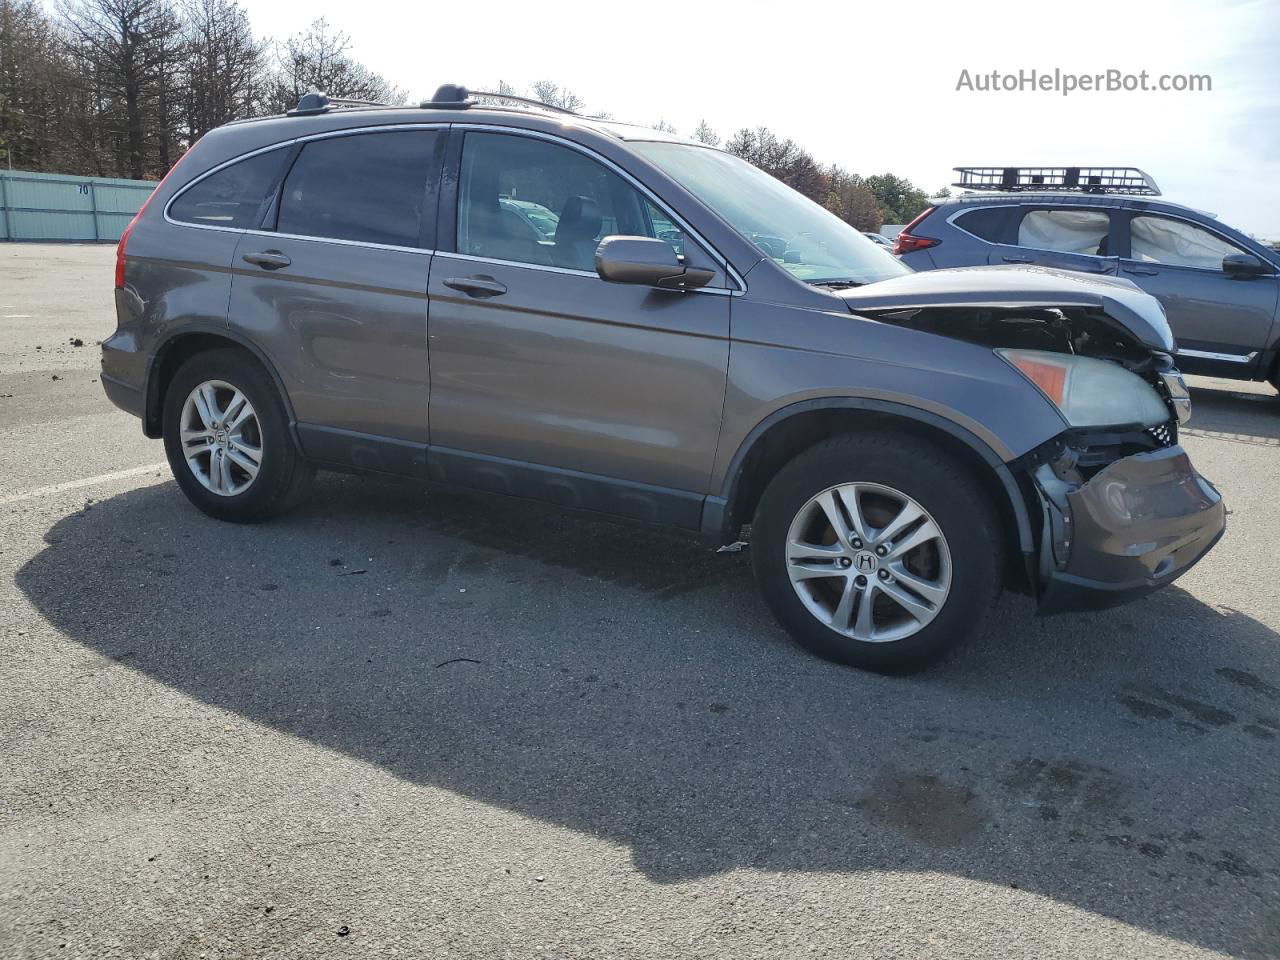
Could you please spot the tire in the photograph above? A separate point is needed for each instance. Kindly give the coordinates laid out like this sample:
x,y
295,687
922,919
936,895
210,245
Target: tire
x,y
282,475
947,583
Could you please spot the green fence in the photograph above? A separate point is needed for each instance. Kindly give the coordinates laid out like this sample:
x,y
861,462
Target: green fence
x,y
52,207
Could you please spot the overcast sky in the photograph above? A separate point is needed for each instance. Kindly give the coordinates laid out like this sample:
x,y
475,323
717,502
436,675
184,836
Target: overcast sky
x,y
872,86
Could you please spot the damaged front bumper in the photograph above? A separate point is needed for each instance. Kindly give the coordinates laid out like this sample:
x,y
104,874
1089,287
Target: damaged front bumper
x,y
1133,526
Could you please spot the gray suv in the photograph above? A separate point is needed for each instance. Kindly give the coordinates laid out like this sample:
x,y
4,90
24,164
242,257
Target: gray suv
x,y
1219,287
684,341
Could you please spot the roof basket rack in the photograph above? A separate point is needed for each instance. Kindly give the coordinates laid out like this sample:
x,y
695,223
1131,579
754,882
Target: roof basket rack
x,y
1128,180
317,102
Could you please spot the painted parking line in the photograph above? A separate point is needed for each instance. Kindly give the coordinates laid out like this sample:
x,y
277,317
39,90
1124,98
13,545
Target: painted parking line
x,y
86,482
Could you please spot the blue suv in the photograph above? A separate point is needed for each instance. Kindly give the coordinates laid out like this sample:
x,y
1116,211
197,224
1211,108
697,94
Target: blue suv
x,y
1218,286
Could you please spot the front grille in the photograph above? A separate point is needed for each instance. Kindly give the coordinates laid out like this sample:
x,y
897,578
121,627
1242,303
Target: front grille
x,y
1166,434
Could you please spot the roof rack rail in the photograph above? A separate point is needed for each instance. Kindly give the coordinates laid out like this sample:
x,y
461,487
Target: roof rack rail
x,y
528,101
452,96
1128,180
317,102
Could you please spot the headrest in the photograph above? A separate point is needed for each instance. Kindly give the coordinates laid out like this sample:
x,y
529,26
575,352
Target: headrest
x,y
579,220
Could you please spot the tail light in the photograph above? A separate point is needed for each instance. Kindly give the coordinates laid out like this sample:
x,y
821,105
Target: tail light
x,y
908,242
123,245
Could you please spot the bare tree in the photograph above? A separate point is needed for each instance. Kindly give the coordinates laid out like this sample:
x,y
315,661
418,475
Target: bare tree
x,y
318,59
552,95
129,83
130,49
503,89
29,56
704,134
664,127
225,66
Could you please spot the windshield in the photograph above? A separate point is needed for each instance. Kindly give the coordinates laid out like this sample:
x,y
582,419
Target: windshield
x,y
812,243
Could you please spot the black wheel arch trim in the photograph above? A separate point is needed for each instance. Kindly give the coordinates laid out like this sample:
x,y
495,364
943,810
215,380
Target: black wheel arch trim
x,y
717,509
151,420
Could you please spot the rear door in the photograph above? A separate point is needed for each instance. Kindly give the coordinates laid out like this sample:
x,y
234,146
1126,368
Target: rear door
x,y
1222,323
334,290
548,381
1066,238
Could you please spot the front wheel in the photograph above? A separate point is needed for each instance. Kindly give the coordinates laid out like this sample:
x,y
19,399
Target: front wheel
x,y
877,550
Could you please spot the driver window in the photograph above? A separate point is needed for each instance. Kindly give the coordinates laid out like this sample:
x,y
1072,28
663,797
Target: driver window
x,y
531,201
1177,243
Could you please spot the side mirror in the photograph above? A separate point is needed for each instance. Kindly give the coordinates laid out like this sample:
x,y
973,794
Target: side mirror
x,y
647,261
1243,265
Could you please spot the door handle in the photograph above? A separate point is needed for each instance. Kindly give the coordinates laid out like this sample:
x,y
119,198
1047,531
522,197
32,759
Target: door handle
x,y
267,259
1142,271
1012,259
477,286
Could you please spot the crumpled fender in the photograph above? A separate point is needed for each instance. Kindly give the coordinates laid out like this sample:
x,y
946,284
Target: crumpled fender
x,y
1137,313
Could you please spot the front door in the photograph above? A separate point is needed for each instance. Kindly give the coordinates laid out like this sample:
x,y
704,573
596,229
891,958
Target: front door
x,y
1222,323
336,293
548,381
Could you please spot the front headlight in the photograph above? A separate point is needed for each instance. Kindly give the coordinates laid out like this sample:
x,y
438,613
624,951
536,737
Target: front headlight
x,y
1090,392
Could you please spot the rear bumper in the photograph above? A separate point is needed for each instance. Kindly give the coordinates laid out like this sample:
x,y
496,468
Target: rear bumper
x,y
1135,527
124,395
124,362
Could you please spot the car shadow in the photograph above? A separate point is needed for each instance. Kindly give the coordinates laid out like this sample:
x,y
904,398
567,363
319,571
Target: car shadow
x,y
1247,415
630,685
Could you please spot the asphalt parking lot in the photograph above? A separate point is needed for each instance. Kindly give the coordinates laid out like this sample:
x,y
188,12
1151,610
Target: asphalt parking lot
x,y
410,724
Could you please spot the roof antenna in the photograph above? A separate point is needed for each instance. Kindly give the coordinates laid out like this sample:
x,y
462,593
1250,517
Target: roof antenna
x,y
450,96
312,102
317,102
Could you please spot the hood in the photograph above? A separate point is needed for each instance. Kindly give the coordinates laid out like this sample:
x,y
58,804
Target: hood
x,y
1138,313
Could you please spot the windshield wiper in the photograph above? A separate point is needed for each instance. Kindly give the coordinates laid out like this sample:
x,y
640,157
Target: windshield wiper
x,y
837,284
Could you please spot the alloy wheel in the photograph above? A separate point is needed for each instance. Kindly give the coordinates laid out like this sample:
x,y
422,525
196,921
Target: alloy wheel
x,y
221,438
868,561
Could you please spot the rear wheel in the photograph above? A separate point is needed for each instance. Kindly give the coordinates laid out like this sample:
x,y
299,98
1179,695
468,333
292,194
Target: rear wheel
x,y
226,435
877,550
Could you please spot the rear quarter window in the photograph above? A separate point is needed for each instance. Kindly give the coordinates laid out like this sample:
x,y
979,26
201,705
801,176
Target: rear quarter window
x,y
233,197
987,223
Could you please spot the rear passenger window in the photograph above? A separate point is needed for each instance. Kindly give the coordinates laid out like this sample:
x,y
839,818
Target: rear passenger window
x,y
987,223
369,188
1085,232
232,197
